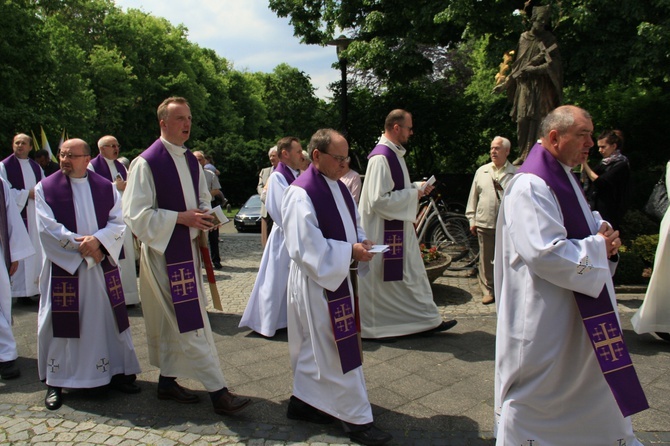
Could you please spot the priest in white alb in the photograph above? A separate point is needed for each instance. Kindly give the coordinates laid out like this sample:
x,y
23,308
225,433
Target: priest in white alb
x,y
107,165
14,246
396,299
23,174
265,312
165,205
323,239
83,336
563,375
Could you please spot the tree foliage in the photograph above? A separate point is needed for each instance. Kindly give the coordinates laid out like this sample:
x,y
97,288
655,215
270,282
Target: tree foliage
x,y
438,59
92,69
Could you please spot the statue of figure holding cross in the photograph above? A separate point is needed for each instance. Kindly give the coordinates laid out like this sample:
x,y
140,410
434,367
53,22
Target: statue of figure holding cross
x,y
535,82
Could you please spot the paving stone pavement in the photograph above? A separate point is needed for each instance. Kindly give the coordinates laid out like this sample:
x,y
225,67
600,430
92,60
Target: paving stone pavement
x,y
425,391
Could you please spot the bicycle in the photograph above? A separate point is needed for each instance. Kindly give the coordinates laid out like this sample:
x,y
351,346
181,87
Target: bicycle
x,y
437,225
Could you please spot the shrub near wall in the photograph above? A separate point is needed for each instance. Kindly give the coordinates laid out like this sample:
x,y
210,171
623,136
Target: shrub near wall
x,y
639,236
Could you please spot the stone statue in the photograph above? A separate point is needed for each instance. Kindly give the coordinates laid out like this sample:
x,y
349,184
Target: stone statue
x,y
535,82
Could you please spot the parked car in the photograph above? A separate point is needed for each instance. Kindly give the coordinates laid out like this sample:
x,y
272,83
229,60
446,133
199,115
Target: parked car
x,y
248,218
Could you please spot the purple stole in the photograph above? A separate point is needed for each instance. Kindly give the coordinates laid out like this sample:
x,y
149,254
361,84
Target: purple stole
x,y
65,286
286,172
178,255
600,321
15,178
393,229
102,168
4,228
341,305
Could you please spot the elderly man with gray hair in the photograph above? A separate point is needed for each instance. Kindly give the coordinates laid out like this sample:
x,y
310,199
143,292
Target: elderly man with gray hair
x,y
482,209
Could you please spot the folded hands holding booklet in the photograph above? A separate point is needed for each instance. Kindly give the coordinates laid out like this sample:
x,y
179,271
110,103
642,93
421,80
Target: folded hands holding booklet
x,y
219,218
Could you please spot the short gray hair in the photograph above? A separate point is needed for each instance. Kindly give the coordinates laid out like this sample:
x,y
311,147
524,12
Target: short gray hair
x,y
505,142
561,119
321,140
272,149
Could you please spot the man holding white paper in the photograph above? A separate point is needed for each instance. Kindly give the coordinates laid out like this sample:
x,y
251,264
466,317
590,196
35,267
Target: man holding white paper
x,y
168,204
395,298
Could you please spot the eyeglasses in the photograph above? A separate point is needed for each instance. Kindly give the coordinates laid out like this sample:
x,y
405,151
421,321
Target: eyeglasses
x,y
69,156
118,146
405,127
341,159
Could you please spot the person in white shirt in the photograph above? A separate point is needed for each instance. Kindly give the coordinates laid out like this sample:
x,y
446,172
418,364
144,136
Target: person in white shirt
x,y
482,209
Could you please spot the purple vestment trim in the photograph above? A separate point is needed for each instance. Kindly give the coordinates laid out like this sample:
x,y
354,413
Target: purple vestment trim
x,y
394,230
286,172
341,304
15,178
598,315
178,255
102,168
65,286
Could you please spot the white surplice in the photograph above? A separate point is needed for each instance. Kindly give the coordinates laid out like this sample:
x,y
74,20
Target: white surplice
x,y
20,248
318,263
101,351
185,355
266,310
127,264
401,307
25,281
654,314
548,385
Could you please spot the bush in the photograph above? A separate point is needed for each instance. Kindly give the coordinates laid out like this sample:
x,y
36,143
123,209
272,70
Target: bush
x,y
645,247
636,223
630,268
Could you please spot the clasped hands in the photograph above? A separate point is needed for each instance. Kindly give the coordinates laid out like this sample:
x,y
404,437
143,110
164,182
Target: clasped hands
x,y
89,246
612,240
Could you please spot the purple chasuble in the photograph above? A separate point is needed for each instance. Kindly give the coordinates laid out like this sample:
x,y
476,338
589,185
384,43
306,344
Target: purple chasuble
x,y
286,172
393,229
4,229
341,305
598,315
178,255
65,286
102,168
15,178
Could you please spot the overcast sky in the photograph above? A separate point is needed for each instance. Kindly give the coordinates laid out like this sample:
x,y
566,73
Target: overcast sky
x,y
246,33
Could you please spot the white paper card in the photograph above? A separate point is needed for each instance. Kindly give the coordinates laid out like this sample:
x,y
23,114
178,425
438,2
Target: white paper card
x,y
379,248
429,182
219,217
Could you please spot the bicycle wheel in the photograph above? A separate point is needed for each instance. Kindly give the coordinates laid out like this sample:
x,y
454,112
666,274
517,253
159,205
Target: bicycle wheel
x,y
458,241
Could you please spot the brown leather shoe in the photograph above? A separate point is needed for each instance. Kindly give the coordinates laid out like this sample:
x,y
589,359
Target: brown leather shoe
x,y
177,393
229,403
488,299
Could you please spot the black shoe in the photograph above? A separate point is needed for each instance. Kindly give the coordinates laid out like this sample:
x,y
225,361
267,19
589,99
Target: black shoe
x,y
229,403
444,326
177,393
217,265
128,388
54,398
9,370
370,435
300,410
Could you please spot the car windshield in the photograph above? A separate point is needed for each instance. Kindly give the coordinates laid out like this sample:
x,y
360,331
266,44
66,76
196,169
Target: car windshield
x,y
253,202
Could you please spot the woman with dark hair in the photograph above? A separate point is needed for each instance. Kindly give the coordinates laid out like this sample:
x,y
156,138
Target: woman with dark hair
x,y
606,185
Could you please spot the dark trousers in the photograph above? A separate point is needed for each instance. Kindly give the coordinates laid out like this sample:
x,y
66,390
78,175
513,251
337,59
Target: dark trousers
x,y
213,237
